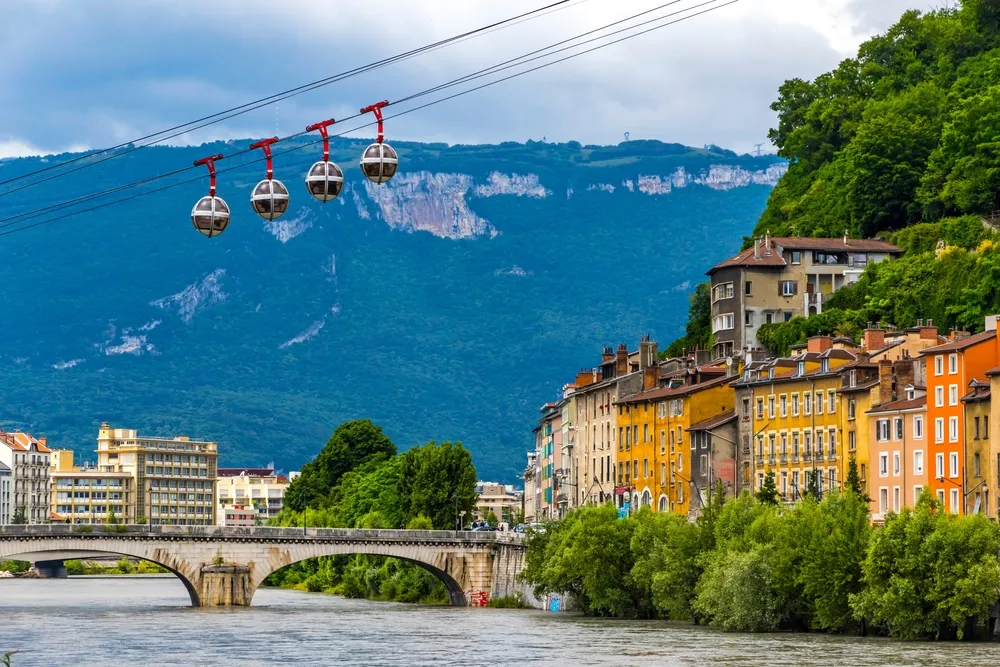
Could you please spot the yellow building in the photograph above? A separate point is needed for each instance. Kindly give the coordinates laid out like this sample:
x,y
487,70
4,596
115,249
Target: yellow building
x,y
88,495
654,458
174,478
979,477
796,405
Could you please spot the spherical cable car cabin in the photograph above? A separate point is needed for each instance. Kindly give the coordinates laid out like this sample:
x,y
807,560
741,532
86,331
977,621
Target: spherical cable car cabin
x,y
269,198
379,162
325,179
210,215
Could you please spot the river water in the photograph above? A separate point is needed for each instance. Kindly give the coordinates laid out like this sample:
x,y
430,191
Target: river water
x,y
148,621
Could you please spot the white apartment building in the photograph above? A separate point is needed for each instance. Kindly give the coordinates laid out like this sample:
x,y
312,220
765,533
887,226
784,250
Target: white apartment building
x,y
27,458
255,492
5,484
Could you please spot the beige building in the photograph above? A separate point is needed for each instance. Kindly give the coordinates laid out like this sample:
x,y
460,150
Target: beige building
x,y
528,500
28,460
88,495
258,490
501,499
779,278
174,478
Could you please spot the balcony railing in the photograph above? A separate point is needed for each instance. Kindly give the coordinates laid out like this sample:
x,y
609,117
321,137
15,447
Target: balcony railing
x,y
807,455
795,457
760,459
770,459
784,458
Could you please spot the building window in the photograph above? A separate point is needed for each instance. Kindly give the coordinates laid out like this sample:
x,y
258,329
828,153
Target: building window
x,y
748,288
748,318
918,462
807,403
703,461
954,501
770,406
883,500
760,408
975,464
895,463
819,401
883,464
663,442
918,427
663,474
783,402
953,394
917,490
795,405
952,429
788,288
939,466
895,499
796,257
882,430
680,462
939,397
722,322
939,365
939,429
850,407
831,404
975,427
852,441
953,464
952,363
897,428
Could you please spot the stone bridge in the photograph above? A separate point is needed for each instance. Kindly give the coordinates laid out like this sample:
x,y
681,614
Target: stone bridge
x,y
224,566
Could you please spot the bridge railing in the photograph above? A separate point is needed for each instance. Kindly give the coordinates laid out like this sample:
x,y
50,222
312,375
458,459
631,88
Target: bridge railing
x,y
256,532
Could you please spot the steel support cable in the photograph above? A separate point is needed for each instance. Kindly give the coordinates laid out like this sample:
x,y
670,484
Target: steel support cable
x,y
506,65
402,113
277,97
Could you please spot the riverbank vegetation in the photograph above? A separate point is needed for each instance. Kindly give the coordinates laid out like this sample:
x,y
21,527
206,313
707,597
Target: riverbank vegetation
x,y
752,565
359,480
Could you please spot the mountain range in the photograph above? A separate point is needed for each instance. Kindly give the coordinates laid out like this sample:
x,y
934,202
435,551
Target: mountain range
x,y
448,304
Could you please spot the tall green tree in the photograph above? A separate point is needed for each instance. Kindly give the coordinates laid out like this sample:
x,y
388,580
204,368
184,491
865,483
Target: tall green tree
x,y
767,494
698,332
351,445
439,482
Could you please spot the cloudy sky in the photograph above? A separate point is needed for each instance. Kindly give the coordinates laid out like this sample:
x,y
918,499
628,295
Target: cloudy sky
x,y
88,75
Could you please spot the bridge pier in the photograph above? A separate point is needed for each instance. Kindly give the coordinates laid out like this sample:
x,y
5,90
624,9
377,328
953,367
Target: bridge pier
x,y
51,569
225,586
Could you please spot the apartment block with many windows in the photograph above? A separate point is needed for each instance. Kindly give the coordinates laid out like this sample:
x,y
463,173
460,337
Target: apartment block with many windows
x,y
28,460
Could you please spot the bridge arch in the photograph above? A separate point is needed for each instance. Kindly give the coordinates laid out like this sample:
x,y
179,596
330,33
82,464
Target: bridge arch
x,y
450,568
60,550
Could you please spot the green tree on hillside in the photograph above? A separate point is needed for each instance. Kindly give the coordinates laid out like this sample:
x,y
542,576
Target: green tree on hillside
x,y
351,445
698,333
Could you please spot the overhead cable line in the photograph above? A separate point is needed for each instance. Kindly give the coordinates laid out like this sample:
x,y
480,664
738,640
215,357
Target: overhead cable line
x,y
355,129
232,112
505,65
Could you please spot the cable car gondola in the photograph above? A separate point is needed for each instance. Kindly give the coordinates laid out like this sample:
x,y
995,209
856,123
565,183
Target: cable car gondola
x,y
379,161
210,214
325,179
269,197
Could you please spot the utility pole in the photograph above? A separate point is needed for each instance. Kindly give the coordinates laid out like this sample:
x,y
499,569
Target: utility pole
x,y
758,150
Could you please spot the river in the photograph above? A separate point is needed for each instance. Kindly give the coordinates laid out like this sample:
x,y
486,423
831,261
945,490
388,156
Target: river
x,y
148,621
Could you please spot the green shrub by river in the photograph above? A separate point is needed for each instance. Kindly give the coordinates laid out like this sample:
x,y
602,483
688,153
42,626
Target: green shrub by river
x,y
750,565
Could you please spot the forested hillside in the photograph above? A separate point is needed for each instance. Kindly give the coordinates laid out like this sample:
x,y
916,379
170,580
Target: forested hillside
x,y
907,131
901,142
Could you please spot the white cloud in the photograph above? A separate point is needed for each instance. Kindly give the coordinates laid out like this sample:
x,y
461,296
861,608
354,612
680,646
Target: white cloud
x,y
707,80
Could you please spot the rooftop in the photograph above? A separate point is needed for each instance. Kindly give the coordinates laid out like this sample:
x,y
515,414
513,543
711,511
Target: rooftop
x,y
961,343
896,406
712,422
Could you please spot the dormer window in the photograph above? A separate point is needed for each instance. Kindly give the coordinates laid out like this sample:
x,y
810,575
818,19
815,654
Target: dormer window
x,y
854,378
910,395
802,368
826,365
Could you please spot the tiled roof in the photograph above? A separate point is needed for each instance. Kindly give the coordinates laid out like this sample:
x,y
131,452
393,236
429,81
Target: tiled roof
x,y
961,343
908,404
712,422
979,392
835,245
665,392
865,386
769,257
994,371
22,442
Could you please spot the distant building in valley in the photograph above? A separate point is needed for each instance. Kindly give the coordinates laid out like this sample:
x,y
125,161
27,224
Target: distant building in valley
x,y
501,499
259,490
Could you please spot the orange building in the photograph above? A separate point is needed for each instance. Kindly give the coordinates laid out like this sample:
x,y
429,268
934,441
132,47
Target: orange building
x,y
950,369
654,460
898,451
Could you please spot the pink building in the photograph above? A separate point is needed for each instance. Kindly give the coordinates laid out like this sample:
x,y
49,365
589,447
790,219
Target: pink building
x,y
898,453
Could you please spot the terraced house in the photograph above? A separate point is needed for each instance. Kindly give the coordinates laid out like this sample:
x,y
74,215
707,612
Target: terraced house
x,y
655,439
795,426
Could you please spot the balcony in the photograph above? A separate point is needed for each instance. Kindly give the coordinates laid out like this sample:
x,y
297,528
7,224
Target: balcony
x,y
784,458
832,456
795,457
807,455
759,459
770,460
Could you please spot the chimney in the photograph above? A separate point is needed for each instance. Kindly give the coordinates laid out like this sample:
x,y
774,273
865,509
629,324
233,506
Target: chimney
x,y
756,247
648,353
884,382
903,370
43,441
584,378
928,330
874,339
845,237
819,344
621,360
702,357
767,240
650,377
607,354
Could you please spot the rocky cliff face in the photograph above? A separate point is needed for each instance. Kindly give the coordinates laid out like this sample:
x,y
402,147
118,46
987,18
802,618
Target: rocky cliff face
x,y
447,304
